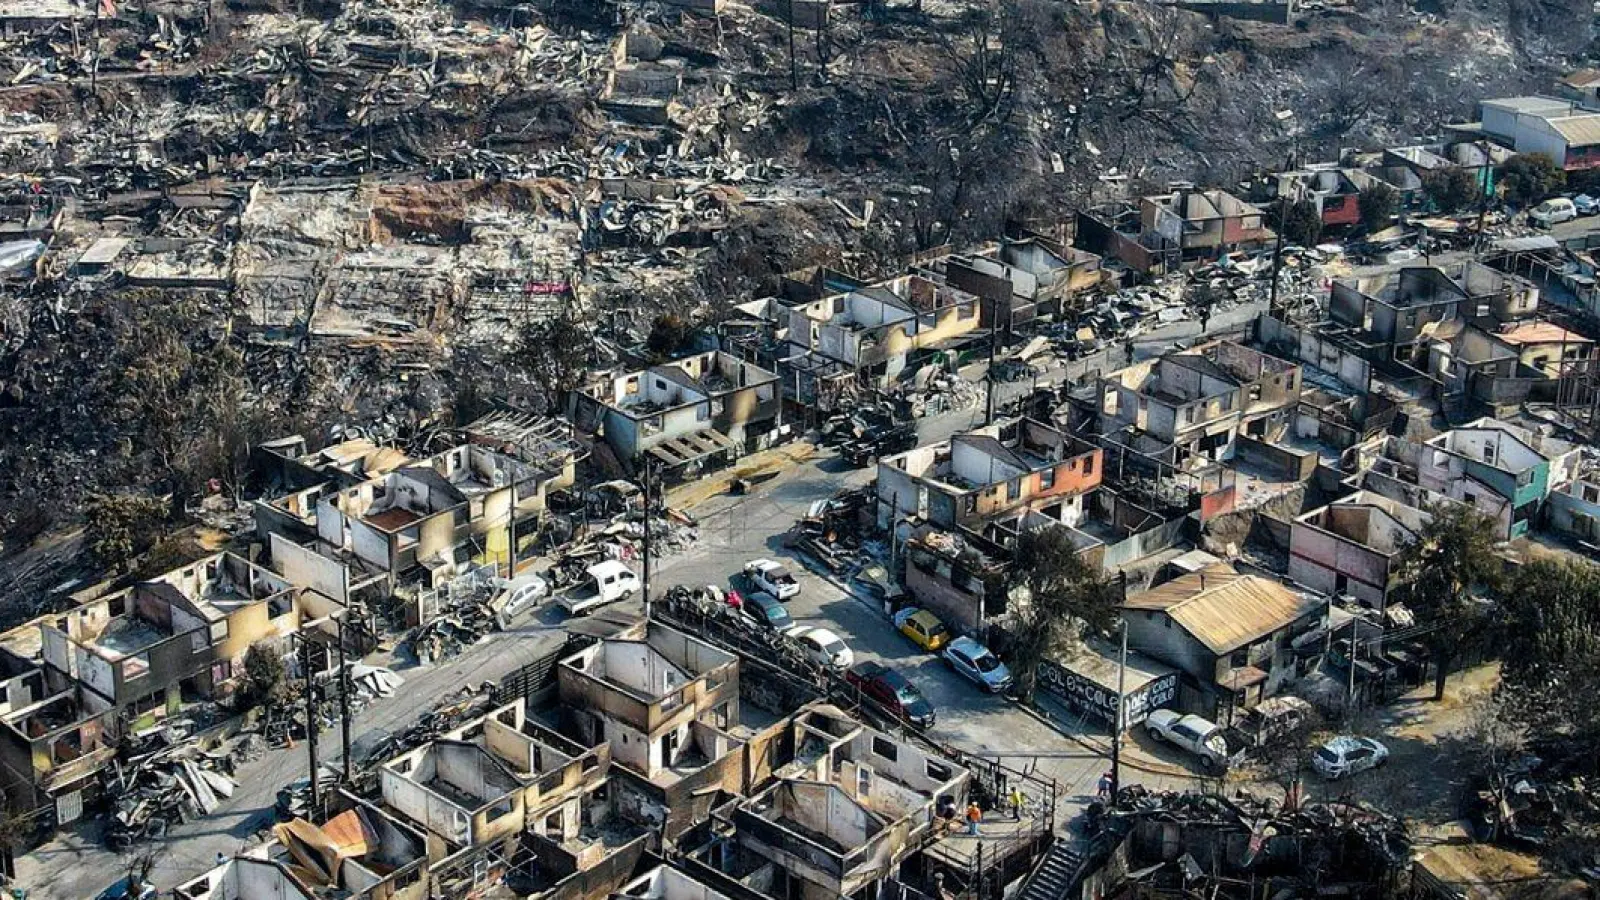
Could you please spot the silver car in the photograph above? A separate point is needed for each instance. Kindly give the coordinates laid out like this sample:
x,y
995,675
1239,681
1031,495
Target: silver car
x,y
974,661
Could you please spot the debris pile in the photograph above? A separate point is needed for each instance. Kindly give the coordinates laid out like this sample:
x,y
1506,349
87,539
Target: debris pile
x,y
833,530
1242,847
157,790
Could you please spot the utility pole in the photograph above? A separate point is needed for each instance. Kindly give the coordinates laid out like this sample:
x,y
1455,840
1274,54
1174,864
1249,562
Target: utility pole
x,y
988,378
511,531
1277,256
1118,718
344,704
1350,691
1327,645
822,60
647,487
1483,194
311,719
794,65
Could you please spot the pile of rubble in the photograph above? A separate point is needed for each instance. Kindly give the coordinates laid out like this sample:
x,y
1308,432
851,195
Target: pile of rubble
x,y
937,391
154,791
454,616
1385,836
834,532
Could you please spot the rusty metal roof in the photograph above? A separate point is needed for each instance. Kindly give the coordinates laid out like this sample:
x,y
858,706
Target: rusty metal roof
x,y
1223,609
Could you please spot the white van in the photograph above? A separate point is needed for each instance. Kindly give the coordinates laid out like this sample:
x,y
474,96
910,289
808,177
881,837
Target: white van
x,y
1553,212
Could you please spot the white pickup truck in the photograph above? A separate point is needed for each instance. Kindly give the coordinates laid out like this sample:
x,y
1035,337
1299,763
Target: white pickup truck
x,y
1205,739
606,582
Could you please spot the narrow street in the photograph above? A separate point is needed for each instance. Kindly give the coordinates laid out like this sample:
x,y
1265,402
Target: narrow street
x,y
735,530
77,865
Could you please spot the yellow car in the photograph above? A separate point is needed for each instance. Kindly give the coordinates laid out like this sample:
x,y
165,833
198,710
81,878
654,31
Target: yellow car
x,y
923,627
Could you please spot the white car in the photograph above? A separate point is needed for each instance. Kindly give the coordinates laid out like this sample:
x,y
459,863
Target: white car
x,y
825,647
975,663
1586,205
1345,755
772,578
1553,212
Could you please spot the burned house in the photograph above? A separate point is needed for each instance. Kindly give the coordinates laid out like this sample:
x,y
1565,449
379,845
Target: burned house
x,y
1195,404
1546,348
875,332
247,876
1022,280
359,849
55,734
666,704
839,817
1230,634
1389,466
688,415
669,883
1327,187
984,474
1573,510
1204,223
1352,547
505,796
288,463
182,635
1116,234
958,577
1233,848
429,516
1516,467
1392,315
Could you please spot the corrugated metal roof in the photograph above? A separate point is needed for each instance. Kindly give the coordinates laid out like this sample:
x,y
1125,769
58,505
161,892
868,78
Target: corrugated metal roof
x,y
1535,105
1224,609
1578,131
1541,333
1583,78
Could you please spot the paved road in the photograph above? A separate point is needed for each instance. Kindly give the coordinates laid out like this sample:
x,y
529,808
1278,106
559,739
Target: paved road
x,y
735,530
76,865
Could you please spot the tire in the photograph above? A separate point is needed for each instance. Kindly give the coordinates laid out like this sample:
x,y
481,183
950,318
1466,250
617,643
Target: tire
x,y
1156,735
1209,764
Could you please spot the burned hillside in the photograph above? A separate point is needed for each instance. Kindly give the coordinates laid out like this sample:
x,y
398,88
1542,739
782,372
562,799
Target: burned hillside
x,y
347,214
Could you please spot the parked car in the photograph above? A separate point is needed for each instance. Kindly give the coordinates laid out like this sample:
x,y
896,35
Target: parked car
x,y
923,628
893,691
1201,737
772,577
520,594
1586,205
1346,755
824,647
974,662
1553,212
878,441
1013,370
125,889
765,610
1275,719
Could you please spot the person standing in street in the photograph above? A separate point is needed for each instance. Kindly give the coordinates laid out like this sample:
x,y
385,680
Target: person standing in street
x,y
974,816
1017,799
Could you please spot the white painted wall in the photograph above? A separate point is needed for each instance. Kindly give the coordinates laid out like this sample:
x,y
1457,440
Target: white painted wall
x,y
307,568
979,467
